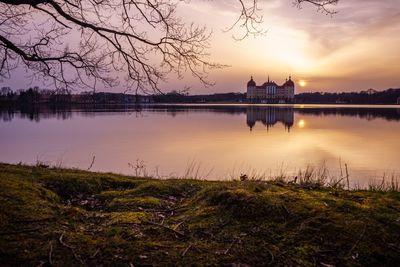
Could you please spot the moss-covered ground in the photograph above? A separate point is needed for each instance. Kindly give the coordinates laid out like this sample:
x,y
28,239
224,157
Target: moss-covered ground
x,y
66,217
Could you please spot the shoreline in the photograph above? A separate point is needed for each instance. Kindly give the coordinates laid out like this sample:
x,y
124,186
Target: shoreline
x,y
294,105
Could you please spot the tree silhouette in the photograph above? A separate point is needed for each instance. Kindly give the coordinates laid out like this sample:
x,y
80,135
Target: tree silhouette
x,y
80,43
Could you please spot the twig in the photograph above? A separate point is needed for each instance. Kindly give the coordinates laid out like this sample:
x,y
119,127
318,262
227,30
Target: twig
x,y
91,164
347,177
341,170
95,254
50,253
76,256
272,256
166,227
63,243
186,250
338,182
358,240
166,210
394,247
177,226
230,247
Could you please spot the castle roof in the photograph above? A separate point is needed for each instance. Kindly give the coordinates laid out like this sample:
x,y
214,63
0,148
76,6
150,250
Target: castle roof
x,y
270,83
289,82
251,82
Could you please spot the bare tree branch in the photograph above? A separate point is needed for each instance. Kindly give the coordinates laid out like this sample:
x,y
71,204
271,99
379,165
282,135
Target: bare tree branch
x,y
75,43
324,6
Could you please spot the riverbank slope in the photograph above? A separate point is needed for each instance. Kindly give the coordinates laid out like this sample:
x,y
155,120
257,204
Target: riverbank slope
x,y
64,217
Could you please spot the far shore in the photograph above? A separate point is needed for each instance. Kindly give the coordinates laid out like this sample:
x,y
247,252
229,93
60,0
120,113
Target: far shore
x,y
221,103
36,95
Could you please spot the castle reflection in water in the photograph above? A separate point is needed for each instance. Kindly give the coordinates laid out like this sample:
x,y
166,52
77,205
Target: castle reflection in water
x,y
269,116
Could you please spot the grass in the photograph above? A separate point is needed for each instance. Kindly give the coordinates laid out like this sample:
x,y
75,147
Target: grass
x,y
66,217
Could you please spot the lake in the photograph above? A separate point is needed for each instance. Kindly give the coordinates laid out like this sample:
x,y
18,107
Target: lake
x,y
208,141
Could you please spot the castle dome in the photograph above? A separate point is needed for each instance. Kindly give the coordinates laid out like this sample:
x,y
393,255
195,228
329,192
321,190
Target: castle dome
x,y
289,82
251,82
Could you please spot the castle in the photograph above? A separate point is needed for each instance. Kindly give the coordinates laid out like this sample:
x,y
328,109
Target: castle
x,y
270,92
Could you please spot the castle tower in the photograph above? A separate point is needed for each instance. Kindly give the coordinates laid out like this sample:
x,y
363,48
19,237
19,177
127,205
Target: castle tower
x,y
251,88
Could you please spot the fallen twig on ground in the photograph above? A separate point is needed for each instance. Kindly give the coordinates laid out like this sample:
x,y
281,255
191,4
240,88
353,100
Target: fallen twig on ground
x,y
76,256
166,227
177,226
50,253
186,250
358,240
95,253
272,255
230,247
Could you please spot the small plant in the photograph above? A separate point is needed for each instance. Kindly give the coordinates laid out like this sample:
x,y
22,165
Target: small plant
x,y
195,170
41,164
391,185
139,168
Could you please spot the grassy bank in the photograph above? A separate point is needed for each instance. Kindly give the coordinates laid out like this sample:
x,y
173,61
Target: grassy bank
x,y
67,217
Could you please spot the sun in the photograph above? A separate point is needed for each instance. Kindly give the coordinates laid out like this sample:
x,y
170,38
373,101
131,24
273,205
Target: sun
x,y
301,123
302,83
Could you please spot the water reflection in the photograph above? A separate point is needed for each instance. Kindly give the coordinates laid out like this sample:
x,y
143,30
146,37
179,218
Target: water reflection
x,y
269,116
368,113
35,113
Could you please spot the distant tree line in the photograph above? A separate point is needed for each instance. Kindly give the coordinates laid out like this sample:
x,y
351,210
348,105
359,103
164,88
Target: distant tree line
x,y
183,97
35,96
390,96
59,97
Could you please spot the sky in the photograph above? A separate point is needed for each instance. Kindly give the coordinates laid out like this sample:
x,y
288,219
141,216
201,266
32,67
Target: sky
x,y
355,49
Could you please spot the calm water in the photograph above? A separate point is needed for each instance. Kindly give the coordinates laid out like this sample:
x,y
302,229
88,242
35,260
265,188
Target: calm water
x,y
210,141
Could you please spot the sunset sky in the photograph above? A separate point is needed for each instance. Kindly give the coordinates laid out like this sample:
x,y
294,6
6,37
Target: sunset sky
x,y
356,49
